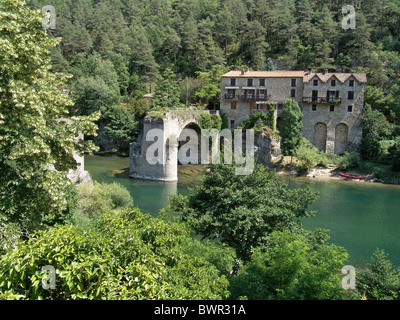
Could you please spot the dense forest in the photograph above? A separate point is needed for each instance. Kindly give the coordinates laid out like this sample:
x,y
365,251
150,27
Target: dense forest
x,y
118,50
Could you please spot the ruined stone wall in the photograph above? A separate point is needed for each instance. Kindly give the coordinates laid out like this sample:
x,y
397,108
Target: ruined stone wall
x,y
171,125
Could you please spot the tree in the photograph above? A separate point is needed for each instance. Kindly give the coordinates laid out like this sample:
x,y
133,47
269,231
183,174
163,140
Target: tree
x,y
142,59
36,148
290,127
96,87
256,45
290,269
242,211
122,127
382,279
166,94
375,129
127,256
209,94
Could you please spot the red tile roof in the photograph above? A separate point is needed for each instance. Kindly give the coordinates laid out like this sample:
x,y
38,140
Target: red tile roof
x,y
265,74
324,77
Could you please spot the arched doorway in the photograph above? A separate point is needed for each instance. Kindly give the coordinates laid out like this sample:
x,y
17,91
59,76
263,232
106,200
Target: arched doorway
x,y
320,135
341,138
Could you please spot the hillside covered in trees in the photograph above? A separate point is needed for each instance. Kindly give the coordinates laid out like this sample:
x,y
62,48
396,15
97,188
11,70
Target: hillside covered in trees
x,y
118,50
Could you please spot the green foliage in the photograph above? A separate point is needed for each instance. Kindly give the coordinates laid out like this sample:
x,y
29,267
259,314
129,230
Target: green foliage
x,y
290,130
122,128
375,128
157,113
130,255
350,160
381,281
138,107
96,86
37,142
260,119
209,94
290,270
97,198
241,211
134,43
167,91
210,121
221,256
9,235
309,156
394,152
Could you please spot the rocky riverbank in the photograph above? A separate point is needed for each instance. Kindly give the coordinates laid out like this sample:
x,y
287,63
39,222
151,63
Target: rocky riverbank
x,y
331,173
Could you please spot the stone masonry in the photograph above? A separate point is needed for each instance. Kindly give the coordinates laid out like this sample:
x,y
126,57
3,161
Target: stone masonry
x,y
332,103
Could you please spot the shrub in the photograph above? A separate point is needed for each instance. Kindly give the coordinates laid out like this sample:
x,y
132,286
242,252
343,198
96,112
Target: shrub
x,y
307,155
290,269
130,255
349,161
258,120
97,198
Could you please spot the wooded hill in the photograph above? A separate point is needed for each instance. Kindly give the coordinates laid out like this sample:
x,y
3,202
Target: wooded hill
x,y
117,50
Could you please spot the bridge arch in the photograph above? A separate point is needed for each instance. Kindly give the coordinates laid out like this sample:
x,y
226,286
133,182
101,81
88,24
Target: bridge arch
x,y
171,126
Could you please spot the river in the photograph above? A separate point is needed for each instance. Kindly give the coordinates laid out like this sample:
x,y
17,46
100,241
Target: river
x,y
360,216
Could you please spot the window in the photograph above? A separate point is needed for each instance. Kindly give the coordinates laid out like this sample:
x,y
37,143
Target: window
x,y
332,95
350,109
232,124
314,107
262,82
293,82
331,108
249,82
293,93
333,83
315,83
350,95
233,105
351,83
233,82
314,95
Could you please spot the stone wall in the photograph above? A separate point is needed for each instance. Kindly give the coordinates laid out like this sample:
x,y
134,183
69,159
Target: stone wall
x,y
279,90
334,131
339,123
171,125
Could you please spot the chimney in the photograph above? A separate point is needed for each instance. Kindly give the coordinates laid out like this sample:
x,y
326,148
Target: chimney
x,y
242,72
309,72
326,71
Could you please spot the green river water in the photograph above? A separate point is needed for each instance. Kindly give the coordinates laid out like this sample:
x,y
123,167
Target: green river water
x,y
360,216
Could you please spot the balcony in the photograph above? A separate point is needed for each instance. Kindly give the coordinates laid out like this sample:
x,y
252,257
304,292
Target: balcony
x,y
254,98
321,100
231,97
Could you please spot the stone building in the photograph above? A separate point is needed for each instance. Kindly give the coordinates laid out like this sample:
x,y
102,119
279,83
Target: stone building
x,y
332,103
